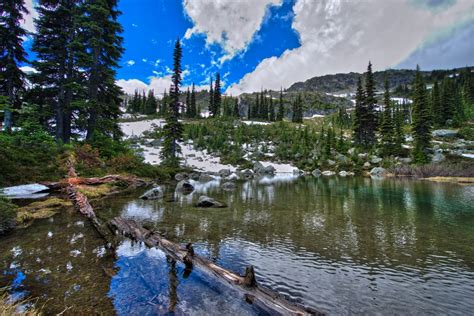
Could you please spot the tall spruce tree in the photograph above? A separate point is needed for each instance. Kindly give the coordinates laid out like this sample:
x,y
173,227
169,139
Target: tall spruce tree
x,y
271,110
421,120
359,112
12,54
281,109
235,111
151,103
188,103
193,109
387,125
58,47
211,98
102,50
297,110
217,96
173,130
369,115
436,106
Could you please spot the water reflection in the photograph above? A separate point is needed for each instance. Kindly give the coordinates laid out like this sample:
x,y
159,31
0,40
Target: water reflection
x,y
338,243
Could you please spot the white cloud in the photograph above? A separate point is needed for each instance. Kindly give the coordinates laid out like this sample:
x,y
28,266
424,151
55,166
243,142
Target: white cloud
x,y
28,22
130,63
144,60
342,35
231,24
158,84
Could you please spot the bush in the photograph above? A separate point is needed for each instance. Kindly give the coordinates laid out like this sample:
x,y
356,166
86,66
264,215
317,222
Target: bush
x,y
467,132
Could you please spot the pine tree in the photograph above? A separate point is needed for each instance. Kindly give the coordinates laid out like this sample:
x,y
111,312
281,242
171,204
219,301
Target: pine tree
x,y
12,54
102,50
188,103
173,130
58,49
298,110
399,137
420,126
256,107
217,96
211,99
281,110
236,108
436,107
387,126
151,103
271,110
359,112
369,115
447,100
193,111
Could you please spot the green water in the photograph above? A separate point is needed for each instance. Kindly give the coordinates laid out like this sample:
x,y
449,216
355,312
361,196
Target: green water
x,y
343,246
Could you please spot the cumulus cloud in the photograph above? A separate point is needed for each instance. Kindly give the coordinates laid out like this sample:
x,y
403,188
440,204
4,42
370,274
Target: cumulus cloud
x,y
231,24
342,35
157,84
130,63
28,20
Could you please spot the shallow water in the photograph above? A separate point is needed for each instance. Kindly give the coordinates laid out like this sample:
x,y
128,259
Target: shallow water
x,y
340,245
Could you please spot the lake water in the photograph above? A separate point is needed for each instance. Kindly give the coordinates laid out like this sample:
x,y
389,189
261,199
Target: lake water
x,y
339,245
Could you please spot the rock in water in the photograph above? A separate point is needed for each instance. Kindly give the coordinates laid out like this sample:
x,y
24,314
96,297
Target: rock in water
x,y
224,173
316,173
444,133
378,172
343,173
205,201
228,186
328,173
153,194
246,174
184,186
204,177
260,169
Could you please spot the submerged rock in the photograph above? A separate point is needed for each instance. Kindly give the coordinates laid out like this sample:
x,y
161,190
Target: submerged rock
x,y
205,201
316,173
184,186
153,194
228,185
378,172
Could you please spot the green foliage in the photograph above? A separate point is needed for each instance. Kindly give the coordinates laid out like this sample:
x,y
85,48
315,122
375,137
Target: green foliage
x,y
7,215
467,132
421,121
387,128
297,108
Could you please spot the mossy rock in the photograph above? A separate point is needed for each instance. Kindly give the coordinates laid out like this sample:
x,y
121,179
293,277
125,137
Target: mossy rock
x,y
7,216
96,191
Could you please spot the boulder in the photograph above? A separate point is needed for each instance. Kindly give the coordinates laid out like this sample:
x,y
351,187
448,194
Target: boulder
x,y
224,173
376,160
331,162
363,155
260,169
351,151
246,174
204,177
366,165
153,194
438,157
328,173
233,176
405,160
316,173
181,176
205,201
378,172
184,186
448,133
343,173
298,172
229,185
269,170
342,159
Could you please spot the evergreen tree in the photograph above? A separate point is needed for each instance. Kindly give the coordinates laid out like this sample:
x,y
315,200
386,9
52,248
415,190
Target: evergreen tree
x,y
193,111
58,47
217,96
359,112
447,100
188,103
12,54
421,127
151,103
173,130
281,109
236,108
271,110
387,126
298,110
143,102
369,115
211,99
256,107
436,106
102,50
399,137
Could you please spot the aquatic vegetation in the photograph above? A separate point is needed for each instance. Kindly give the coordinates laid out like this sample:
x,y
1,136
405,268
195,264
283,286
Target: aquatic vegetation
x,y
40,210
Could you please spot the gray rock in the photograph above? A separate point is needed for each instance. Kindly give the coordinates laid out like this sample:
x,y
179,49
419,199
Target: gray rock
x,y
246,174
204,177
366,165
351,151
444,133
375,160
260,169
181,176
405,160
316,173
378,172
363,155
342,158
328,173
224,173
184,186
229,185
194,176
153,194
298,172
156,143
438,157
331,162
343,173
205,201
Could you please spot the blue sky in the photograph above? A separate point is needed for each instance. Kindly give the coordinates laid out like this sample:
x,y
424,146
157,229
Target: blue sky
x,y
269,44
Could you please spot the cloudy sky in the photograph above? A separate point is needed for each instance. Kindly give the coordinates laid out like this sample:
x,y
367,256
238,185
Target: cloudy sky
x,y
269,44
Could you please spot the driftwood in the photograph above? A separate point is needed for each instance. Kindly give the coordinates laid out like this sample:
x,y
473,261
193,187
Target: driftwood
x,y
64,184
253,293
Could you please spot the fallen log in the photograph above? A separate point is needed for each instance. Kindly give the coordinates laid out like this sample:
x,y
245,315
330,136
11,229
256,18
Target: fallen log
x,y
253,293
131,181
